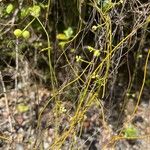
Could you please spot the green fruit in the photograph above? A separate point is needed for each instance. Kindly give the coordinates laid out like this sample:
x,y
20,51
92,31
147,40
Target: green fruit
x,y
26,34
24,12
17,33
9,8
35,11
68,32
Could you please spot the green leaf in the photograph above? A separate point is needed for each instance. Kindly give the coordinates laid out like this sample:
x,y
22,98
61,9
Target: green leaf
x,y
22,108
9,8
62,36
25,12
96,53
106,5
35,11
68,32
130,131
62,44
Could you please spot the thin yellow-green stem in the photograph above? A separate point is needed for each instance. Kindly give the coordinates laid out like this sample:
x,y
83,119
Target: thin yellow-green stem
x,y
143,83
28,24
58,92
52,73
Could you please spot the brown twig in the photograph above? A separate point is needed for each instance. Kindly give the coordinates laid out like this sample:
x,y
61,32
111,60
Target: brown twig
x,y
6,101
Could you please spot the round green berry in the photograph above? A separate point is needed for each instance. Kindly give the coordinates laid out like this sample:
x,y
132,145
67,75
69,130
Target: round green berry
x,y
26,34
9,8
17,33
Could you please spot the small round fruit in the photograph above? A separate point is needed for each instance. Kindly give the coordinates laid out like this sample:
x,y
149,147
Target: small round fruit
x,y
17,33
9,8
26,34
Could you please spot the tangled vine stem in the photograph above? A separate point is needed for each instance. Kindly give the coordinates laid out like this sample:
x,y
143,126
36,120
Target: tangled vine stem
x,y
88,54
